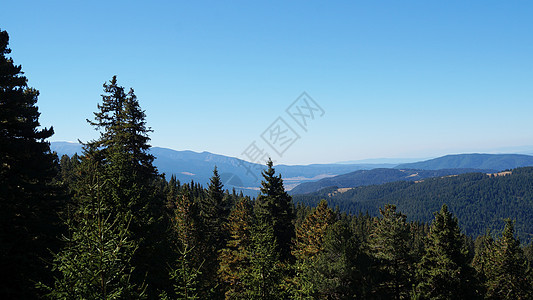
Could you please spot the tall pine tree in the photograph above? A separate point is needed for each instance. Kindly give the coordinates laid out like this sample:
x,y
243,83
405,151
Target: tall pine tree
x,y
274,206
120,159
390,246
444,271
213,214
28,198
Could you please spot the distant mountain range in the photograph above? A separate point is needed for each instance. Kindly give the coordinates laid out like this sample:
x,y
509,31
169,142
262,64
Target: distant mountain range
x,y
235,173
242,175
472,161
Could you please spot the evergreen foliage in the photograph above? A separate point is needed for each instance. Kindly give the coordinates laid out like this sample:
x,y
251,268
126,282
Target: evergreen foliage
x,y
444,271
505,267
235,258
29,198
390,244
274,206
96,261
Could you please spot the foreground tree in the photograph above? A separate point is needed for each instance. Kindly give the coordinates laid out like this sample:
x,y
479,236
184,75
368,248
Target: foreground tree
x,y
444,271
185,270
505,269
263,277
390,246
213,213
274,207
96,261
309,243
28,198
235,257
120,161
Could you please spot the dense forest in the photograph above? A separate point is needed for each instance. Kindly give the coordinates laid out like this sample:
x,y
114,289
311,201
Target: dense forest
x,y
480,201
106,224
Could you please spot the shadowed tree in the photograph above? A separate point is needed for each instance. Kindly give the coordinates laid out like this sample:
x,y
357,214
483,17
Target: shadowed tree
x,y
29,200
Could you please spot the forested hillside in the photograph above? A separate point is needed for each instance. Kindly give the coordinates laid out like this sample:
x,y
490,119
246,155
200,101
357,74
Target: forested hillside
x,y
480,201
376,176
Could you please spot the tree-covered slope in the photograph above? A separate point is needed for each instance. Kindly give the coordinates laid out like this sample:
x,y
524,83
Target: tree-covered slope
x,y
480,201
375,176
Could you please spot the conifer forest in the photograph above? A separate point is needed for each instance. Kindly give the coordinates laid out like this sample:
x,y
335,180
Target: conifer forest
x,y
106,224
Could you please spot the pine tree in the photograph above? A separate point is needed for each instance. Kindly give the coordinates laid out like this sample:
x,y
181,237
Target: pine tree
x,y
122,152
274,206
308,245
506,268
444,271
235,257
263,278
184,277
390,246
29,199
310,235
338,269
213,213
120,159
96,262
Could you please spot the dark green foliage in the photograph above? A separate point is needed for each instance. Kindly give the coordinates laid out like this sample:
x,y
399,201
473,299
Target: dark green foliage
x,y
480,202
96,261
29,199
184,277
274,206
390,246
505,267
126,188
444,271
235,256
340,269
263,278
213,213
308,246
376,176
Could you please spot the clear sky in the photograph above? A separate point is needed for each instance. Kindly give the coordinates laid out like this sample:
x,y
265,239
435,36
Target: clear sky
x,y
394,78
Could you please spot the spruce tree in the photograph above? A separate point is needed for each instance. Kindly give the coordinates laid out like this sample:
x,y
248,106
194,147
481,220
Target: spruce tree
x,y
309,244
234,258
29,200
390,246
263,278
96,261
337,271
213,213
119,158
274,206
506,269
444,271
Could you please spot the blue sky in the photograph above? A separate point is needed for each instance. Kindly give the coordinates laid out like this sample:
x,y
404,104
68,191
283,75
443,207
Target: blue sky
x,y
394,78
